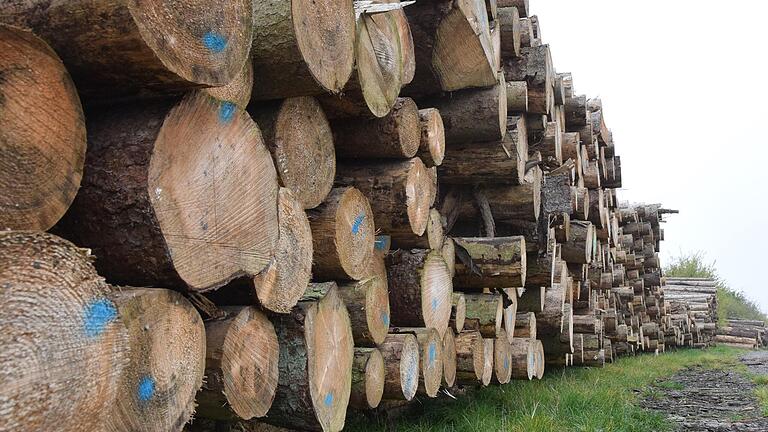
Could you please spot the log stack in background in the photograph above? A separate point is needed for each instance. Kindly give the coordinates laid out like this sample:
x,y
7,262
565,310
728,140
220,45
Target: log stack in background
x,y
365,201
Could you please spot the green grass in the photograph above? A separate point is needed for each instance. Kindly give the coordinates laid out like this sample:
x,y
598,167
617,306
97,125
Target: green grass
x,y
572,399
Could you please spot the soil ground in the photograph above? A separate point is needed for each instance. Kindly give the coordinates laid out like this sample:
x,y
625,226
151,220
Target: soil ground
x,y
712,400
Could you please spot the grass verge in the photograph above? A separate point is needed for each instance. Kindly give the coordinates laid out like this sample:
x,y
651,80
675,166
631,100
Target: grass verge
x,y
572,399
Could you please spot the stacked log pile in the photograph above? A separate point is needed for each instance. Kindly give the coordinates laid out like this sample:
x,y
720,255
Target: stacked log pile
x,y
366,202
693,308
742,334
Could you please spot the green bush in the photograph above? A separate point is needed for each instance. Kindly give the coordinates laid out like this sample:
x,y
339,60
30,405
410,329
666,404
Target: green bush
x,y
730,303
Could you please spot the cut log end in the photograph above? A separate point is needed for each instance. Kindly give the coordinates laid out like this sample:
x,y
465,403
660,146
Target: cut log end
x,y
281,284
431,360
459,311
379,61
343,235
54,307
368,378
224,163
420,194
325,35
401,359
432,144
301,142
43,135
436,292
167,340
330,351
211,49
242,366
449,359
502,358
238,91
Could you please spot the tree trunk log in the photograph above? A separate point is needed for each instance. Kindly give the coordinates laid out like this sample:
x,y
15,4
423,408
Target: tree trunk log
x,y
449,359
534,65
510,312
484,314
522,359
470,358
299,137
500,262
43,136
452,44
61,335
301,48
368,375
343,235
521,5
197,206
241,366
433,238
368,304
376,81
118,49
517,97
499,163
401,193
401,363
432,143
458,312
420,289
430,359
279,286
473,115
508,203
395,135
509,24
525,325
316,355
579,247
237,91
502,358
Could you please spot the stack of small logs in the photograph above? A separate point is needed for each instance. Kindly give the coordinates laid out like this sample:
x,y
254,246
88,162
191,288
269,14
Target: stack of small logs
x,y
276,213
742,334
693,309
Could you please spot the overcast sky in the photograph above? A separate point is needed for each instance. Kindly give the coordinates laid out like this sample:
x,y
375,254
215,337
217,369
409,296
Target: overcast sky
x,y
684,92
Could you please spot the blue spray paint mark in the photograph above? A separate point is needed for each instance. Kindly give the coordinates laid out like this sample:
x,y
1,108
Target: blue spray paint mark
x,y
214,41
97,315
328,399
432,353
385,318
146,388
356,225
381,242
434,304
227,112
506,363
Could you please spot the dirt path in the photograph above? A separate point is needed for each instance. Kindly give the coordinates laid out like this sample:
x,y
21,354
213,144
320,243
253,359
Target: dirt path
x,y
699,400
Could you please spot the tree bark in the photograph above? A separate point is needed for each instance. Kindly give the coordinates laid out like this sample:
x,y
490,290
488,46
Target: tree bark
x,y
43,138
500,262
301,48
517,97
522,359
525,325
507,203
61,334
473,115
343,236
299,137
395,135
499,162
241,366
176,195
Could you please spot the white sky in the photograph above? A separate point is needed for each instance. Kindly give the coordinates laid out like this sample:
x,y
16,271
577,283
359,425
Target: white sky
x,y
684,94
